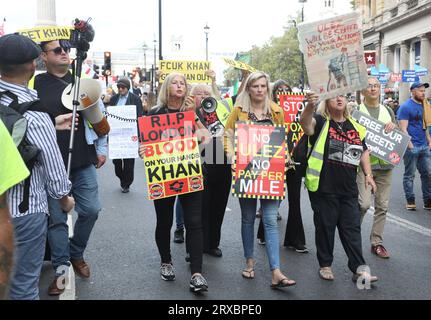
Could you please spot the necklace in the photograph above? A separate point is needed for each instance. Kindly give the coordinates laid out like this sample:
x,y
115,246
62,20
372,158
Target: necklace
x,y
340,125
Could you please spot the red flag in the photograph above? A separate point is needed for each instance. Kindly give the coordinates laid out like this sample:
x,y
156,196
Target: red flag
x,y
370,58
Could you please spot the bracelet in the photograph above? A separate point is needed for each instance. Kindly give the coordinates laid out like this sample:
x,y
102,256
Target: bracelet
x,y
369,175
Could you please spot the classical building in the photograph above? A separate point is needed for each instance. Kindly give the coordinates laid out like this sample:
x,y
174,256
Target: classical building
x,y
399,31
46,13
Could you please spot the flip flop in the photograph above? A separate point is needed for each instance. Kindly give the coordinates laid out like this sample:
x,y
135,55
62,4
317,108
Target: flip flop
x,y
326,273
283,283
248,274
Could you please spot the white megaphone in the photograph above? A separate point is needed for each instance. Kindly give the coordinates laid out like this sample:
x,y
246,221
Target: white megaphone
x,y
89,94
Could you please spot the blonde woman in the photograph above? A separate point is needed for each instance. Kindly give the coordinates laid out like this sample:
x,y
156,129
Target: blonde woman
x,y
255,104
172,98
338,148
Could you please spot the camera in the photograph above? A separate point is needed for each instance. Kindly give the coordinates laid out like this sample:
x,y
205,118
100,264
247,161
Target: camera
x,y
82,35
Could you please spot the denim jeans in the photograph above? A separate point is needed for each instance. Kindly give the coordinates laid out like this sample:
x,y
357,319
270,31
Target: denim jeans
x,y
420,158
87,205
30,240
269,217
179,215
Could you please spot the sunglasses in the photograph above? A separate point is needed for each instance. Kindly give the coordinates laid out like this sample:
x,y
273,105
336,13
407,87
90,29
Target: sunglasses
x,y
59,50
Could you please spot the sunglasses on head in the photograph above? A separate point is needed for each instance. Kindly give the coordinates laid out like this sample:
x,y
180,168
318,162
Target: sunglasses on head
x,y
59,50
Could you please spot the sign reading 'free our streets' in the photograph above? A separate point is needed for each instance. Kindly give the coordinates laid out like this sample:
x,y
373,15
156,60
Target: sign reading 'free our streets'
x,y
260,161
172,159
389,147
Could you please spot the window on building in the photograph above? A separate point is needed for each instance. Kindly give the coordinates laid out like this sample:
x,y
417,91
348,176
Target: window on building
x,y
417,47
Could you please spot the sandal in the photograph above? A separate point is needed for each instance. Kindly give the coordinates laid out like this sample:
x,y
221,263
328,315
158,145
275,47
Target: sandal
x,y
326,273
285,282
248,273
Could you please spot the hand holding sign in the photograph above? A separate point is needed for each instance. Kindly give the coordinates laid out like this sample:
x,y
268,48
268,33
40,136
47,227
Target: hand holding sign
x,y
389,127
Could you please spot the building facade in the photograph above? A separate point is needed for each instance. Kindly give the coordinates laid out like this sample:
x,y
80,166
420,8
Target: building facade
x,y
400,32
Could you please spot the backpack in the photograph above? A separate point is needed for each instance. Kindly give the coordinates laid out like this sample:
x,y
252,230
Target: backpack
x,y
16,124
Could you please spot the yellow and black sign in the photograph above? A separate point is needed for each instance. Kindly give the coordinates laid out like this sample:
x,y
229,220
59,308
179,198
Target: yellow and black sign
x,y
194,71
49,33
239,65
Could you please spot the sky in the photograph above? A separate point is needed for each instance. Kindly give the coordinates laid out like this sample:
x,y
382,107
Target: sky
x,y
126,25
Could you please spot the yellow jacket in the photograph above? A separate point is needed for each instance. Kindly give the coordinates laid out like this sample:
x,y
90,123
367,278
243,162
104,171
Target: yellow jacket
x,y
239,115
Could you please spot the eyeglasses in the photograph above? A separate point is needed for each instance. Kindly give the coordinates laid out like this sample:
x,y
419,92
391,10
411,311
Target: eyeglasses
x,y
59,50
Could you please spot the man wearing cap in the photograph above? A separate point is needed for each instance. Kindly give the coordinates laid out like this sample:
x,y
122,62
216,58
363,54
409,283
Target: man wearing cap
x,y
414,117
48,177
89,153
124,168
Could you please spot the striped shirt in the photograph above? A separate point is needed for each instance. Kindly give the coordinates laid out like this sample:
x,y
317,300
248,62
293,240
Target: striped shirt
x,y
48,175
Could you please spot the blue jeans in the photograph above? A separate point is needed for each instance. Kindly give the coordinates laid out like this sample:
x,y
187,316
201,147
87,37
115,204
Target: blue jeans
x,y
87,205
30,240
420,158
179,215
269,217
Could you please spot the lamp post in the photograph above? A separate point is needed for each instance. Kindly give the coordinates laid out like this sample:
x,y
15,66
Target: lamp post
x,y
155,66
145,48
160,31
302,54
207,31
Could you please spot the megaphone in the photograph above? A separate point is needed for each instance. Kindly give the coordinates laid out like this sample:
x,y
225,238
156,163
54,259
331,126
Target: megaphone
x,y
209,104
89,94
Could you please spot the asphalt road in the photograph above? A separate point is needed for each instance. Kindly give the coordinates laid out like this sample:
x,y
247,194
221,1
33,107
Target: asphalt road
x,y
125,262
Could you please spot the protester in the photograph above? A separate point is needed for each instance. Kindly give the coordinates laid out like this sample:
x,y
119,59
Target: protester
x,y
414,117
254,104
381,170
89,153
48,177
172,99
125,168
338,148
12,171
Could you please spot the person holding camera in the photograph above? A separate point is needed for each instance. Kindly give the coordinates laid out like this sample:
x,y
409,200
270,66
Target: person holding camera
x,y
338,148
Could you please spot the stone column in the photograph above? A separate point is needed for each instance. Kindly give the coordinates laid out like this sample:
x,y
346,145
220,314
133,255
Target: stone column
x,y
46,13
378,53
404,65
388,58
426,58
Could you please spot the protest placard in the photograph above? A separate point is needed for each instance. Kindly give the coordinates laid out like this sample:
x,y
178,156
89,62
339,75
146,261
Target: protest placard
x,y
48,33
389,147
239,65
334,55
172,159
123,136
292,104
194,71
260,159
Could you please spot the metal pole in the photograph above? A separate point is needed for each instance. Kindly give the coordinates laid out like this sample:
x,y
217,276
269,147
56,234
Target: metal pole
x,y
302,58
160,31
155,67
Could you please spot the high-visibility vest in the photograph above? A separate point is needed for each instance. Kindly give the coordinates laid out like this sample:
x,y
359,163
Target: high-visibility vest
x,y
385,117
223,110
315,161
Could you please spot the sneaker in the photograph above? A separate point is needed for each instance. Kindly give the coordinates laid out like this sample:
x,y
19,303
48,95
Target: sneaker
x,y
179,236
261,242
411,205
259,213
427,204
380,251
167,272
299,248
125,190
198,284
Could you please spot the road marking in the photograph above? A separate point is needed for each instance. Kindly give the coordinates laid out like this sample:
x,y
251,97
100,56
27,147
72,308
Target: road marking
x,y
406,224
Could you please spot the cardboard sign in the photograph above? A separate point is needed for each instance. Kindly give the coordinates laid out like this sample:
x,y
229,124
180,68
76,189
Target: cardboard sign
x,y
292,104
389,147
51,33
334,55
172,159
260,159
194,71
123,136
239,65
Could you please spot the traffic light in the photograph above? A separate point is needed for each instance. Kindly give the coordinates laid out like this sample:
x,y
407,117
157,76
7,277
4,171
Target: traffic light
x,y
107,60
96,69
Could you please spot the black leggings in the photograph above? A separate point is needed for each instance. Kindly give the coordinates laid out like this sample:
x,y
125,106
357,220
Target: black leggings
x,y
124,170
192,206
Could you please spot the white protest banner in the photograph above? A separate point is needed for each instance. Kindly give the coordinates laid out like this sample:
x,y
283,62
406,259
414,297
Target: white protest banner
x,y
389,147
123,137
334,55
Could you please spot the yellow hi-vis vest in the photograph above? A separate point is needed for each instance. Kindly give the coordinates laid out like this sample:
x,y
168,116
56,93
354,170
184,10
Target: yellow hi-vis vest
x,y
385,117
315,161
223,110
